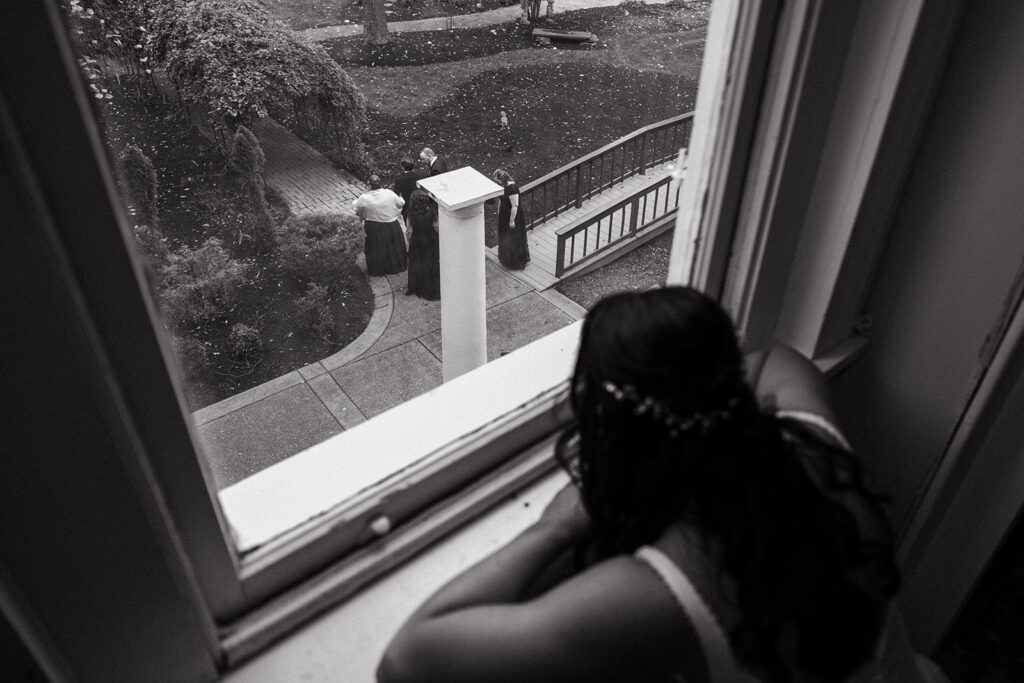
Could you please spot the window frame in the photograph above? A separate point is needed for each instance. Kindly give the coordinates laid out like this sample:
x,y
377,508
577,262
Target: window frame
x,y
742,182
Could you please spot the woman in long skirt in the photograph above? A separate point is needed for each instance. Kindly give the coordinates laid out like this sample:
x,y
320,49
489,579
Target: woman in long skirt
x,y
385,244
424,251
513,251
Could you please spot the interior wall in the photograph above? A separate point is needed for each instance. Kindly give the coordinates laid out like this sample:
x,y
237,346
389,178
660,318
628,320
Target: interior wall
x,y
955,249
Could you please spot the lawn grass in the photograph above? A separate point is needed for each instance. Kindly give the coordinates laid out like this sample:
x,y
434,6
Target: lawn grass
x,y
563,101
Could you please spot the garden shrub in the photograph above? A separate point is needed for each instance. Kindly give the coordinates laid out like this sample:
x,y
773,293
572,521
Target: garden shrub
x,y
315,312
201,285
280,209
153,244
244,341
246,161
319,247
140,181
237,60
192,354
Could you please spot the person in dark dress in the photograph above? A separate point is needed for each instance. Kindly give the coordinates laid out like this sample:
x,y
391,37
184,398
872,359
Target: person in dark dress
x,y
436,164
385,244
513,251
405,183
424,250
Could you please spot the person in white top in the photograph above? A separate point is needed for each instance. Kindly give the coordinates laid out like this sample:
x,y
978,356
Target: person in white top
x,y
719,530
384,246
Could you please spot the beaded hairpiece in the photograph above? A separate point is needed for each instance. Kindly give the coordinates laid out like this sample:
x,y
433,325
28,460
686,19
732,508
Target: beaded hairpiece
x,y
702,421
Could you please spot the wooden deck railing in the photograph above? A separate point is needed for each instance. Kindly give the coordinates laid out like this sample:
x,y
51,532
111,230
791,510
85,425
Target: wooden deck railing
x,y
571,185
588,238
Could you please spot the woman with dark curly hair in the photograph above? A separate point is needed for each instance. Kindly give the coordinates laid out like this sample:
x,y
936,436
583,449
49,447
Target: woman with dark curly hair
x,y
721,529
424,253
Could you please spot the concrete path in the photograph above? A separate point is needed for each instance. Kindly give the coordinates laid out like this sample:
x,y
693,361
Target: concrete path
x,y
396,359
489,18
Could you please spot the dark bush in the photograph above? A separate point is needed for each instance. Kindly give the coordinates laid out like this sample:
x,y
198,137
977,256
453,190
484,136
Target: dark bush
x,y
140,182
315,311
244,341
201,285
246,161
153,244
280,209
192,354
318,247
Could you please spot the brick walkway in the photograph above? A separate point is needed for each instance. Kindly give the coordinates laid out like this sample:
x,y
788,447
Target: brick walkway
x,y
307,179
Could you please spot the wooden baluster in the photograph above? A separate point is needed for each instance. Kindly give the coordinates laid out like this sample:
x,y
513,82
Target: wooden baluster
x,y
633,219
579,186
643,150
560,256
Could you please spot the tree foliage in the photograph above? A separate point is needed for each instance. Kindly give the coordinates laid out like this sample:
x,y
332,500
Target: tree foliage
x,y
235,58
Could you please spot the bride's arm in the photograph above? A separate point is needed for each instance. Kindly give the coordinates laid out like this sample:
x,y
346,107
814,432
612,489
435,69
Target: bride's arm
x,y
481,626
781,376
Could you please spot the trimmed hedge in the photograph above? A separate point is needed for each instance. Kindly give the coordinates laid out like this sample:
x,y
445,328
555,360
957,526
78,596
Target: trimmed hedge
x,y
318,247
201,285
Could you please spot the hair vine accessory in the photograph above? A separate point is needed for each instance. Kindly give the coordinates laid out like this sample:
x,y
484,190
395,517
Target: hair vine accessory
x,y
703,422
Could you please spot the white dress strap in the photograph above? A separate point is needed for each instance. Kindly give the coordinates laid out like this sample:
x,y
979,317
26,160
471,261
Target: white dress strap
x,y
717,653
819,422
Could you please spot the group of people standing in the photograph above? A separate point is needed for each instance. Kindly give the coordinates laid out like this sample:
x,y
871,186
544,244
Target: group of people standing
x,y
384,210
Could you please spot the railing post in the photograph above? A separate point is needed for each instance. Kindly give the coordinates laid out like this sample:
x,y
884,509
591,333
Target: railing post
x,y
634,217
643,153
579,186
560,255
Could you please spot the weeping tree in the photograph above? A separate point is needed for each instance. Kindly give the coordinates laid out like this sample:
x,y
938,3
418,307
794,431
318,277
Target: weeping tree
x,y
375,22
235,60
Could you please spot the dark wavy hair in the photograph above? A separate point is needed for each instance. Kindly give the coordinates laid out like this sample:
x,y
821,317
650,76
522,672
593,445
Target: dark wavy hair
x,y
795,554
421,209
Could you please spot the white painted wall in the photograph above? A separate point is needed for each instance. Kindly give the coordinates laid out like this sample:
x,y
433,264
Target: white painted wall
x,y
956,245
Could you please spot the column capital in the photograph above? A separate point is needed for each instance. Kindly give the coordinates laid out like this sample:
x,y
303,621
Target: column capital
x,y
459,189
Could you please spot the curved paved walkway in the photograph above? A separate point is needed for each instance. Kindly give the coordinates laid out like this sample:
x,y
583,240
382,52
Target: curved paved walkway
x,y
477,19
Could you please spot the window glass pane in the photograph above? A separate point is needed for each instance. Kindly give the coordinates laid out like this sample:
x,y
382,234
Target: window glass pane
x,y
244,132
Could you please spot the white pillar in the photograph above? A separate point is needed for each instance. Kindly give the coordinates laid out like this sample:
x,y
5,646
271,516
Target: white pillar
x,y
463,290
460,195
